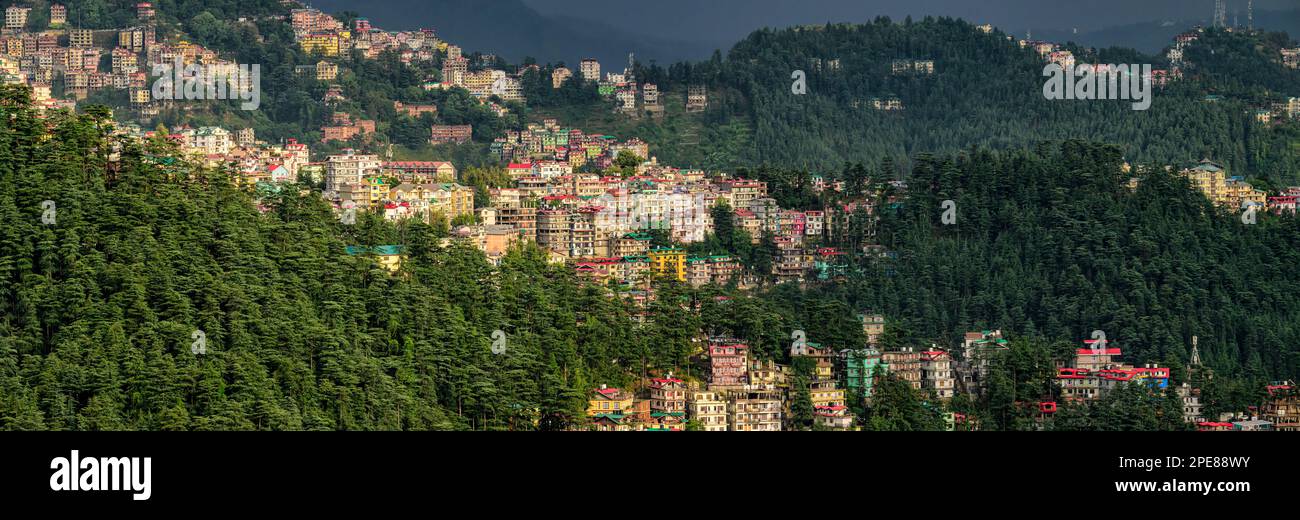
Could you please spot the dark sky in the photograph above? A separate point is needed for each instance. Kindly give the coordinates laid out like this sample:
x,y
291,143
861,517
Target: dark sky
x,y
671,30
702,19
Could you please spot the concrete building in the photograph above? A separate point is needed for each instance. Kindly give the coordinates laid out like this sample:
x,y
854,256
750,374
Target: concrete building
x,y
755,410
905,364
979,348
858,369
1282,407
727,364
16,17
349,168
936,373
708,410
559,76
590,70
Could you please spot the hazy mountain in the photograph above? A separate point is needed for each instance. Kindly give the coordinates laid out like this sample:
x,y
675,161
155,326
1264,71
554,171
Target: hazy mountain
x,y
512,29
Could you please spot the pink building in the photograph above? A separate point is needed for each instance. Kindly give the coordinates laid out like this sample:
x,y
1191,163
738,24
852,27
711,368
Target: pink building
x,y
727,361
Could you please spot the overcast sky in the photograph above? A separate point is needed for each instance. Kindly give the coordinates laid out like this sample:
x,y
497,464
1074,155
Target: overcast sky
x,y
730,19
671,30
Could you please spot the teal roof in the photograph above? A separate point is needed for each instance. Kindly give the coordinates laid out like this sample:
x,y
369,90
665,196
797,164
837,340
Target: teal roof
x,y
378,250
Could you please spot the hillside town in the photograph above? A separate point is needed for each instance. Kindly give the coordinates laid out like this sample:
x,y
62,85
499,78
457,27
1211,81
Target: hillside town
x,y
738,392
605,207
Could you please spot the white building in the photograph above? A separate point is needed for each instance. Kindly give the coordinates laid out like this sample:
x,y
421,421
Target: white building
x,y
349,168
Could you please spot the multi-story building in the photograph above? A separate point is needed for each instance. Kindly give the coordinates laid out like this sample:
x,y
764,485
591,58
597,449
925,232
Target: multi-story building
x,y
978,351
832,417
58,15
707,409
81,38
668,395
137,39
559,76
421,172
451,134
1232,193
16,17
858,369
755,410
448,200
609,401
349,168
1291,58
124,61
936,373
208,140
668,261
873,325
1095,373
415,110
1192,408
521,214
767,374
824,393
1282,407
697,98
727,364
323,43
590,70
554,229
326,70
904,364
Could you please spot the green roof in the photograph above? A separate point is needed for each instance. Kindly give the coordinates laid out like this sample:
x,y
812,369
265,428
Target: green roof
x,y
378,250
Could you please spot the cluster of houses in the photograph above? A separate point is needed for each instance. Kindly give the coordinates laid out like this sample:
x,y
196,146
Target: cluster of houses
x,y
550,143
1235,194
739,392
37,57
322,35
1054,53
252,161
631,101
1285,108
396,189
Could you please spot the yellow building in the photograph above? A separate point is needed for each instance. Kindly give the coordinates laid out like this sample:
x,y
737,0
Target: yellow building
x,y
326,71
453,200
327,44
609,401
824,393
668,260
1224,191
873,326
389,257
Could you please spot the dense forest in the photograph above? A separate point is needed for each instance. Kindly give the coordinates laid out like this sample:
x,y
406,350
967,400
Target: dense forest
x,y
117,255
985,91
102,300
